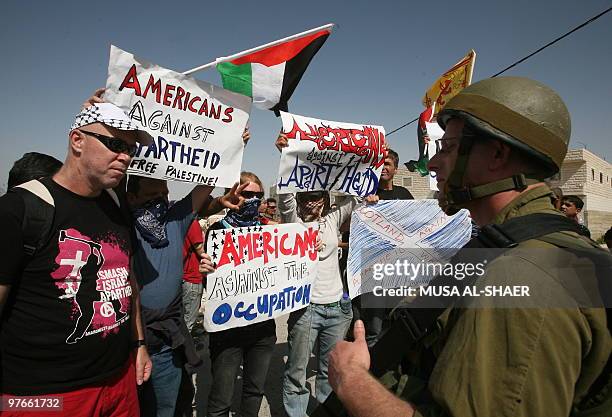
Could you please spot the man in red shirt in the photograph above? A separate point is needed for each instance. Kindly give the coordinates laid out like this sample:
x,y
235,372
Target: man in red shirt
x,y
193,251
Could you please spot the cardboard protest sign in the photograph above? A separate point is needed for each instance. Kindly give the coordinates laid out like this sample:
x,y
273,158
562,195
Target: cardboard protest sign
x,y
262,272
334,156
197,127
390,231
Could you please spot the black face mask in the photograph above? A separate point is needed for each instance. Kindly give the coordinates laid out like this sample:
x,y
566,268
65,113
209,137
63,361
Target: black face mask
x,y
150,221
248,215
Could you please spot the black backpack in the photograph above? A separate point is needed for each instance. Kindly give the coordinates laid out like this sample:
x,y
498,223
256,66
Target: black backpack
x,y
39,213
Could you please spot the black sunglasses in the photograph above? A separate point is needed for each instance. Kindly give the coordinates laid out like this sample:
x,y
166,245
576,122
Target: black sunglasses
x,y
251,194
113,144
310,196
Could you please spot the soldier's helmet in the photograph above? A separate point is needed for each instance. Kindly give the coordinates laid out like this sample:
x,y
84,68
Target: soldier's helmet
x,y
524,113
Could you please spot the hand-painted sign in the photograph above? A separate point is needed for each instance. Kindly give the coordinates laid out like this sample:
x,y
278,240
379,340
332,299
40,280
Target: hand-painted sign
x,y
262,272
414,231
334,156
197,127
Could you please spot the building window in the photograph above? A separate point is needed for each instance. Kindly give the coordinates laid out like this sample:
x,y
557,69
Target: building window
x,y
601,178
407,182
592,174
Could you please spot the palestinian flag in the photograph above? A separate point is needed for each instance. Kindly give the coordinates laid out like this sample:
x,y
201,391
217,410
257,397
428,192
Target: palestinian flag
x,y
270,74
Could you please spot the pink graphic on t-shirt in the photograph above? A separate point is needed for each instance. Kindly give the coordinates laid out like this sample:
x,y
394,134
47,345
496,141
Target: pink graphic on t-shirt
x,y
95,277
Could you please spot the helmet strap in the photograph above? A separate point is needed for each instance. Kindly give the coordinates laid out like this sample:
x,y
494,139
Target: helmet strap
x,y
455,180
516,182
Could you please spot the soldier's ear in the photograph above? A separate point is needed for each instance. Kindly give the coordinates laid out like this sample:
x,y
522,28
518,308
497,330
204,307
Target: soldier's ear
x,y
501,154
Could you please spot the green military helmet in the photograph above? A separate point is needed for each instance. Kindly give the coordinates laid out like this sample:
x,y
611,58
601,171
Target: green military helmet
x,y
524,113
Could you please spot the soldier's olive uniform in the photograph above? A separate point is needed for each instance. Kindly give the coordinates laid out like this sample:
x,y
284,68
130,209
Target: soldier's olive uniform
x,y
512,362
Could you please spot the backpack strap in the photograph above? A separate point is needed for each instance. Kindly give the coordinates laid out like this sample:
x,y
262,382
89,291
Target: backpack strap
x,y
39,212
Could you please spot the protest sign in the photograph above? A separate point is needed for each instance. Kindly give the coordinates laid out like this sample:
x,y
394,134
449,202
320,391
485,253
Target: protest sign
x,y
262,272
413,230
197,127
333,156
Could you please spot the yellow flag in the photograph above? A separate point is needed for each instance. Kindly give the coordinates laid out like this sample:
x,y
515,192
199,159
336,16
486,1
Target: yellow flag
x,y
451,82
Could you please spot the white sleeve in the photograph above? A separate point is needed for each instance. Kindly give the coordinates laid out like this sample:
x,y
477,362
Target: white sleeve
x,y
287,207
346,205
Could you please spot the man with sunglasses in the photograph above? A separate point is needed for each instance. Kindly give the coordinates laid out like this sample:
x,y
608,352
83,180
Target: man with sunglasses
x,y
70,306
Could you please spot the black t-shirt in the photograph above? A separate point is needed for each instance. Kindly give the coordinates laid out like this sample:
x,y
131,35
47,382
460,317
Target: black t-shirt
x,y
66,323
397,193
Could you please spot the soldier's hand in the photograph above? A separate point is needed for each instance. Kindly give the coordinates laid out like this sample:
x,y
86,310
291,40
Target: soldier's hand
x,y
349,358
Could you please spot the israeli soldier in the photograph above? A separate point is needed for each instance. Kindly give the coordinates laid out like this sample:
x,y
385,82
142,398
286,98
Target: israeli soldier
x,y
502,137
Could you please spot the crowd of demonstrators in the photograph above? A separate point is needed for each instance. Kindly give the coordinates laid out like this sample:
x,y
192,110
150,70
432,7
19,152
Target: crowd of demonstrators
x,y
328,316
64,331
572,206
250,346
502,137
50,343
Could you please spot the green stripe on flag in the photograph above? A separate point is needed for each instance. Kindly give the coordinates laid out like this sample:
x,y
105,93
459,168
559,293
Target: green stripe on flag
x,y
236,78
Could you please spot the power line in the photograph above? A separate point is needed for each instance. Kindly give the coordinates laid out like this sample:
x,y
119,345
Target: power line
x,y
591,20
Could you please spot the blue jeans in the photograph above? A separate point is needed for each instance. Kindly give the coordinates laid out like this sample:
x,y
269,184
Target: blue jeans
x,y
328,323
159,395
192,296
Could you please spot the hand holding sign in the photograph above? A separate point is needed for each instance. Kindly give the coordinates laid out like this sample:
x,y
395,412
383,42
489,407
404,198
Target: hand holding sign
x,y
206,265
95,98
281,141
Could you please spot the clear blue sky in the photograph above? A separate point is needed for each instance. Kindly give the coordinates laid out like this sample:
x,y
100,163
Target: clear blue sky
x,y
373,69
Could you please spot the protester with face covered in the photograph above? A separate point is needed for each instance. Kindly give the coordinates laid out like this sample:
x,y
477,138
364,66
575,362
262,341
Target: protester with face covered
x,y
252,345
329,314
160,233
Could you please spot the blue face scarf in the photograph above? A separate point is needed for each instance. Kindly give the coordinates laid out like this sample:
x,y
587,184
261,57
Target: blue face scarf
x,y
248,215
150,221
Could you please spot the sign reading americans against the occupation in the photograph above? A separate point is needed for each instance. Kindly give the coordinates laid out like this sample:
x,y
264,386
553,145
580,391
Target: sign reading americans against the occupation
x,y
262,272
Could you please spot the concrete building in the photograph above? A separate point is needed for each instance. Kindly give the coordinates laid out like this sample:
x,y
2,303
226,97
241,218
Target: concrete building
x,y
417,185
589,177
